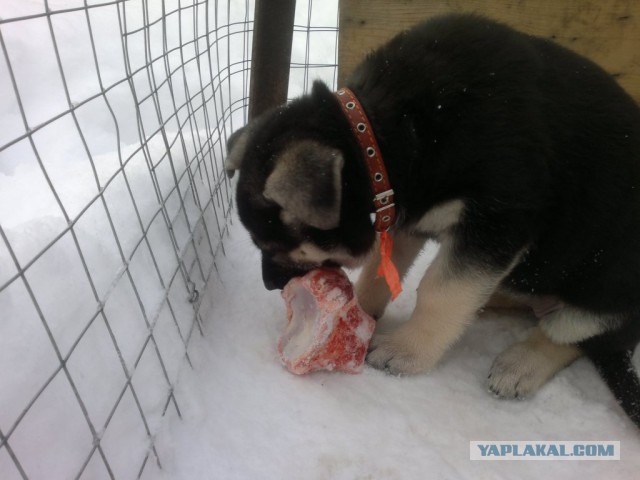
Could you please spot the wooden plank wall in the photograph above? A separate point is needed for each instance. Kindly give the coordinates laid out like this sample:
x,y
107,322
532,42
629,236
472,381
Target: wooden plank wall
x,y
607,31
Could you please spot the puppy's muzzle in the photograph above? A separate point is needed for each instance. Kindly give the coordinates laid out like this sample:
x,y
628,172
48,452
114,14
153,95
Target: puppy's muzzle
x,y
276,276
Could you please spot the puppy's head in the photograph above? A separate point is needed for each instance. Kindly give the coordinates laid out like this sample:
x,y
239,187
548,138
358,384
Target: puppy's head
x,y
297,192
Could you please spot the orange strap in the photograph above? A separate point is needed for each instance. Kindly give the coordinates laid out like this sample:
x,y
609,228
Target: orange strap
x,y
387,269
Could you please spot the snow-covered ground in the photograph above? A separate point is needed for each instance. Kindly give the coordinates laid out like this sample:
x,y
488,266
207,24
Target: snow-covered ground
x,y
79,367
246,417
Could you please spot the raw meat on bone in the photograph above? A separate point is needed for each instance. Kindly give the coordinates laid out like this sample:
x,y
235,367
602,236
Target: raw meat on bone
x,y
327,329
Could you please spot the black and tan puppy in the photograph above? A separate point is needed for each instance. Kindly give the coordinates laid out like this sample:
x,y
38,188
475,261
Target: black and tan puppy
x,y
520,157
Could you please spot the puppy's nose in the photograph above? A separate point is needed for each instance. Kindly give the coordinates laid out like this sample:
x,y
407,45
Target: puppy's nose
x,y
275,280
269,284
274,276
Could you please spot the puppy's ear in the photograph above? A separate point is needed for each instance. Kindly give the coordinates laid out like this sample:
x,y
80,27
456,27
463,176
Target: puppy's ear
x,y
307,183
236,148
320,91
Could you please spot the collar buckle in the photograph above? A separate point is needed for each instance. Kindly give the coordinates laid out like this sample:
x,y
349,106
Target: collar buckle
x,y
383,198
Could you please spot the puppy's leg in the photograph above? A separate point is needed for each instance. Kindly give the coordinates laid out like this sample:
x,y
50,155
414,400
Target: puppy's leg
x,y
568,325
523,368
448,299
373,293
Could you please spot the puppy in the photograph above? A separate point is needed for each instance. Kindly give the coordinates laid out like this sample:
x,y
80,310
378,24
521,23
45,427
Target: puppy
x,y
520,157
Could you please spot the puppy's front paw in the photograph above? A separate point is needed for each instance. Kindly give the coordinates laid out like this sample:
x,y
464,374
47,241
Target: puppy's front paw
x,y
517,372
523,368
399,353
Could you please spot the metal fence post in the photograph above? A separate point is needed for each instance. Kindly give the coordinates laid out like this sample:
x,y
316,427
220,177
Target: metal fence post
x,y
271,57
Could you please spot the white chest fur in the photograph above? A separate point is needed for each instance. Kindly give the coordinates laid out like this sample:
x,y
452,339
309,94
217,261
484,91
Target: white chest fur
x,y
440,218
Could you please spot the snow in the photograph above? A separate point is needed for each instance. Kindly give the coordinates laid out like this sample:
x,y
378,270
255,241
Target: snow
x,y
245,416
77,362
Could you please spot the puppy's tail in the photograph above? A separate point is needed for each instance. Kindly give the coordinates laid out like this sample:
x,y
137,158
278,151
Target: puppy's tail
x,y
621,377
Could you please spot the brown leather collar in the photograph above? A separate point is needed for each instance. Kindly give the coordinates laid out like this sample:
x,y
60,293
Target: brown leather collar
x,y
383,194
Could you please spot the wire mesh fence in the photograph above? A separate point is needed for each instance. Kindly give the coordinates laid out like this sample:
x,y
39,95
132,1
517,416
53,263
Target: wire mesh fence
x,y
314,53
114,209
113,212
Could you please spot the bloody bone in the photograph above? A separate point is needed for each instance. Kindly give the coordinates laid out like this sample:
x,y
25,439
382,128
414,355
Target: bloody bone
x,y
327,329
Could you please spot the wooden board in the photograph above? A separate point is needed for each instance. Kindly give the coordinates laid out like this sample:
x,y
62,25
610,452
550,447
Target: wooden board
x,y
607,31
